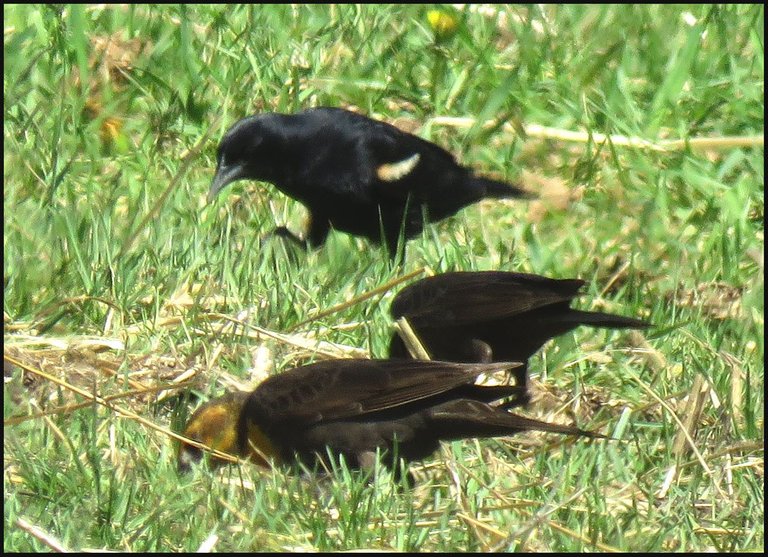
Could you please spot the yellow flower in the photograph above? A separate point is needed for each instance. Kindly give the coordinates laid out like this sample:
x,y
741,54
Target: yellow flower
x,y
443,23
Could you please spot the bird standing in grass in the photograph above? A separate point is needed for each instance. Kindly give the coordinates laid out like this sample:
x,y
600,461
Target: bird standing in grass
x,y
490,316
354,174
351,408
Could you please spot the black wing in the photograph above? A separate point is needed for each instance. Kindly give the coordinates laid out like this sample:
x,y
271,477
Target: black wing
x,y
461,298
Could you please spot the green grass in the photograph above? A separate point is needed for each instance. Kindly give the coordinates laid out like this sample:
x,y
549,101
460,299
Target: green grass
x,y
675,237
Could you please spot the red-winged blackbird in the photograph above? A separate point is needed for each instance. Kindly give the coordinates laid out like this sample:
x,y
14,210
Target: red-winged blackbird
x,y
354,407
492,316
353,173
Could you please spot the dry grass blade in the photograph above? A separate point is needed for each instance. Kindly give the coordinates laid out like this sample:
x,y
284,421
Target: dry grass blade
x,y
535,520
581,537
652,357
691,412
328,349
615,277
15,420
208,544
362,297
412,342
480,525
672,413
738,378
122,411
41,536
664,145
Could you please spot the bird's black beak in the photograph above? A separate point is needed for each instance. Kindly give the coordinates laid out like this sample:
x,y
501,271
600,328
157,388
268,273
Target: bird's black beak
x,y
225,175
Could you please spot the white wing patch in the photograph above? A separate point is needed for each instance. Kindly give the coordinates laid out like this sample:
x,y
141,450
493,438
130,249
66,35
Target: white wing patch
x,y
391,172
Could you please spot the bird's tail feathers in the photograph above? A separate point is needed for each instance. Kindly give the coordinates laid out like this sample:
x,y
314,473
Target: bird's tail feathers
x,y
502,190
459,419
521,422
607,320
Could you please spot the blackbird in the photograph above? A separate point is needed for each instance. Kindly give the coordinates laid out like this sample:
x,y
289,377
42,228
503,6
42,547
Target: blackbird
x,y
353,407
490,316
213,424
355,174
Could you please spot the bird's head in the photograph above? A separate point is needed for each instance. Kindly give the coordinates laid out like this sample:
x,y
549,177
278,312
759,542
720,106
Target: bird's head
x,y
250,149
214,424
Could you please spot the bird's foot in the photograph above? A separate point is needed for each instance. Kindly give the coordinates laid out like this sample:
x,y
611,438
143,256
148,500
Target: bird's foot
x,y
283,232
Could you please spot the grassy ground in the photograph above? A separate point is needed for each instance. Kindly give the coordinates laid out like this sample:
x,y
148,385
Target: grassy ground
x,y
119,277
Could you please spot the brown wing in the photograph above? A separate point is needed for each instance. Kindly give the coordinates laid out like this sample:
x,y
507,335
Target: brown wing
x,y
462,298
337,389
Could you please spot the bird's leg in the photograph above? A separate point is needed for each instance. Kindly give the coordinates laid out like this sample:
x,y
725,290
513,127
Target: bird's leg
x,y
319,227
317,232
283,232
401,473
521,380
395,245
366,460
